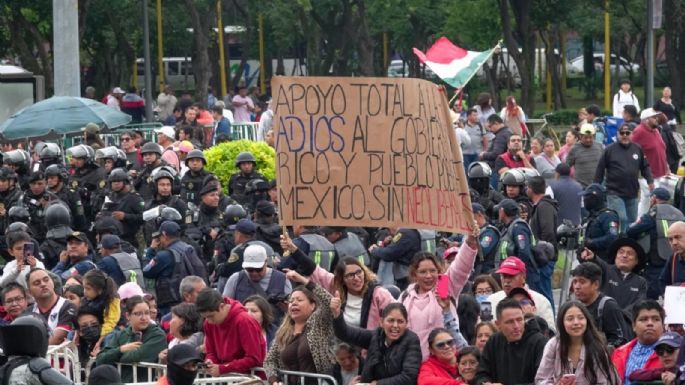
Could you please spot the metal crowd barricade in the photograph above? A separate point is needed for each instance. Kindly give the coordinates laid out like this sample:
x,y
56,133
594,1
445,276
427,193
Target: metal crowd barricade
x,y
224,380
64,357
245,131
321,379
153,370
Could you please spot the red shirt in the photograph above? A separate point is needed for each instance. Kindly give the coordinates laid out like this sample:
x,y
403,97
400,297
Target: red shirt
x,y
654,148
237,344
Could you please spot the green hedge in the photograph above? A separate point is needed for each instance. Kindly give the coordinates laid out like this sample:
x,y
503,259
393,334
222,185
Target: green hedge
x,y
565,117
221,158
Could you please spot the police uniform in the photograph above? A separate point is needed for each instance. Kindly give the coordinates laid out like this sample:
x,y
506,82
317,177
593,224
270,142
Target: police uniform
x,y
204,220
488,241
237,183
132,205
191,184
143,182
73,200
173,201
34,205
488,200
8,199
517,241
600,230
89,181
397,256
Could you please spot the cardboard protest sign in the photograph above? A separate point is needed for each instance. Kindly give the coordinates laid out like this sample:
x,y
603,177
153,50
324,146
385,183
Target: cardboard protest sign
x,y
368,152
674,304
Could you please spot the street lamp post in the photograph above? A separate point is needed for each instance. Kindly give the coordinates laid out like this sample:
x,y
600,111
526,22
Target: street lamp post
x,y
148,69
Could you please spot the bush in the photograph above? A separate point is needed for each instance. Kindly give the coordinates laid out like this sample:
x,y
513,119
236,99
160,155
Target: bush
x,y
221,158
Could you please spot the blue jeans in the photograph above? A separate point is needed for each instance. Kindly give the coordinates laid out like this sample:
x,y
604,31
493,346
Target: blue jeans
x,y
544,285
468,159
626,208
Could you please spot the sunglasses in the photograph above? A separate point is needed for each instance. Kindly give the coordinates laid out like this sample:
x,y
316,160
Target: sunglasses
x,y
663,350
445,344
125,139
253,270
625,133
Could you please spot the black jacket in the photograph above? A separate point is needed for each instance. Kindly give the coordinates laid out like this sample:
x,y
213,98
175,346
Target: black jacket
x,y
544,220
626,290
614,323
621,165
498,146
512,363
397,364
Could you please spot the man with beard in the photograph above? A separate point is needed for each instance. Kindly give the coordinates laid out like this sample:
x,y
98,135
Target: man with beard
x,y
57,177
124,205
515,157
59,313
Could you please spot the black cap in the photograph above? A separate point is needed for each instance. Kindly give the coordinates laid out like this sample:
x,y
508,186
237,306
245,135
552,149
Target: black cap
x,y
77,235
477,208
105,375
208,188
563,169
594,189
265,208
246,226
509,205
181,354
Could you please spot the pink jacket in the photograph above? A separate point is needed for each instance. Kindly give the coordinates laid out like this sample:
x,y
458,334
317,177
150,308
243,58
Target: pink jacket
x,y
423,319
381,296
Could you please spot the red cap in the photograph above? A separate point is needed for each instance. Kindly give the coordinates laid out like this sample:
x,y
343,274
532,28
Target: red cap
x,y
512,266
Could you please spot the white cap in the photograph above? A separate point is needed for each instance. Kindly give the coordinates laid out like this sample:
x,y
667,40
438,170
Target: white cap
x,y
118,90
128,290
254,257
648,113
168,131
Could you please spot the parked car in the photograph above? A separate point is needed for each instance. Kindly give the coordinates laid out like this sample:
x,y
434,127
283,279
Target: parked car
x,y
576,67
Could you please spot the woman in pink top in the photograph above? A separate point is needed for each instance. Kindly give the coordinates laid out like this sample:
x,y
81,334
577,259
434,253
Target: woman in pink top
x,y
426,310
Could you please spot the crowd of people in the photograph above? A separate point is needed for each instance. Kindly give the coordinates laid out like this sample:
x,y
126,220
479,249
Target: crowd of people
x,y
137,253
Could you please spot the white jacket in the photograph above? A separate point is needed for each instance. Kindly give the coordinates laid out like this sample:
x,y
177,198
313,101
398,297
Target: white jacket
x,y
542,305
622,99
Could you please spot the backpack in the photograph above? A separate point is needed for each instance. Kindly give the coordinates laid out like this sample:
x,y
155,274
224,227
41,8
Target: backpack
x,y
600,313
186,260
36,365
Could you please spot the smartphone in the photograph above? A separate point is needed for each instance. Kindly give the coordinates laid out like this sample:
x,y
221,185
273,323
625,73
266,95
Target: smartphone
x,y
29,250
486,311
138,337
443,287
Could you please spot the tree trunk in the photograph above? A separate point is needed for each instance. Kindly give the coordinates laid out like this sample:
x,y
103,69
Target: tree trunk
x,y
201,67
674,11
522,32
365,44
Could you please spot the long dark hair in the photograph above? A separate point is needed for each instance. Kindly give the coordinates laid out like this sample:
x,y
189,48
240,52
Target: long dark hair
x,y
597,358
339,280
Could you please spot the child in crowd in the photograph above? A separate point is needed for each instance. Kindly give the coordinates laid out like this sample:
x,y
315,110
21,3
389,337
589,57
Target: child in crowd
x,y
100,296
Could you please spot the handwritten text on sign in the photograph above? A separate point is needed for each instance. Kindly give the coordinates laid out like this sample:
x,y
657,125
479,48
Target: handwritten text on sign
x,y
368,152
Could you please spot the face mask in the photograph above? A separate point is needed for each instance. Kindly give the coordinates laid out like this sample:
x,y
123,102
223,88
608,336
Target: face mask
x,y
481,298
90,333
179,376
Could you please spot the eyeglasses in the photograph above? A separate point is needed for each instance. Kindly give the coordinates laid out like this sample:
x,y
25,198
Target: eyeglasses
x,y
125,139
625,133
664,349
359,273
254,270
14,300
445,344
140,313
484,291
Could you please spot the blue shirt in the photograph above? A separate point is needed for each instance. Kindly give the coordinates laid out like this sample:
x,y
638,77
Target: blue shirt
x,y
637,359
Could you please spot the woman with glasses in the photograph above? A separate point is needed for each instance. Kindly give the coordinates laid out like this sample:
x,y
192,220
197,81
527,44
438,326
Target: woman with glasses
x,y
484,286
579,354
426,309
441,368
393,351
667,349
363,298
141,341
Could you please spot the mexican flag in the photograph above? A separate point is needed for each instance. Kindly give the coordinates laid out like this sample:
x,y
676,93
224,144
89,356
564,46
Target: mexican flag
x,y
455,65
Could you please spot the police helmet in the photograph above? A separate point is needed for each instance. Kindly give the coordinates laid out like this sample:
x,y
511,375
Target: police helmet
x,y
57,215
513,177
233,214
18,226
6,174
196,154
106,153
38,147
17,158
529,173
256,185
245,157
118,175
169,214
19,214
57,170
82,151
50,152
25,336
150,147
479,170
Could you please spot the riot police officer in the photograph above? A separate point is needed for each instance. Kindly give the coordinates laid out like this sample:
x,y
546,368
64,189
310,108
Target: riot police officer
x,y
124,205
479,174
488,240
35,200
601,226
347,244
267,229
225,242
256,190
18,161
9,195
57,220
650,230
164,181
207,220
88,179
110,158
152,158
57,177
514,187
517,241
50,154
194,178
247,163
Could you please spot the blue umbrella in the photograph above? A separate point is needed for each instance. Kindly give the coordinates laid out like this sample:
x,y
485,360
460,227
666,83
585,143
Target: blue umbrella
x,y
60,116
